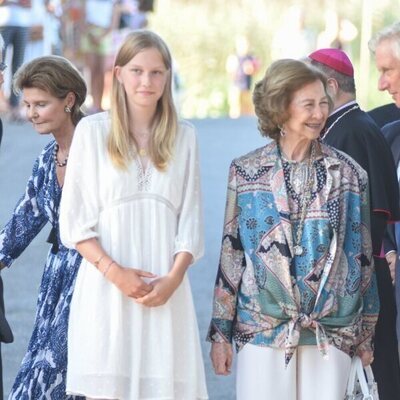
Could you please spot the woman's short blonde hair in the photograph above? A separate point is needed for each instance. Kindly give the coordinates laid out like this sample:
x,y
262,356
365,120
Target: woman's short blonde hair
x,y
55,75
273,94
165,123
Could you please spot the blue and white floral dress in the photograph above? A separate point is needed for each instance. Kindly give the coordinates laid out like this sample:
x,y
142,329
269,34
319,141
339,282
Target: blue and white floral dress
x,y
43,370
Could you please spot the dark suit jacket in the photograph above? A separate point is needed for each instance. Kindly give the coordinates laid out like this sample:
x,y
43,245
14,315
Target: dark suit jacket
x,y
385,114
391,132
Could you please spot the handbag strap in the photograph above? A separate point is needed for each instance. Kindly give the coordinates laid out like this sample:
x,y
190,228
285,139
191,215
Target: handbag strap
x,y
362,380
369,374
357,373
352,380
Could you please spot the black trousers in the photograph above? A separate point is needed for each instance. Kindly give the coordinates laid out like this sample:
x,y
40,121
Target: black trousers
x,y
386,366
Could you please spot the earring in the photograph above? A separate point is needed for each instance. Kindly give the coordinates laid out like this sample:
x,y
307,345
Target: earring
x,y
67,109
282,132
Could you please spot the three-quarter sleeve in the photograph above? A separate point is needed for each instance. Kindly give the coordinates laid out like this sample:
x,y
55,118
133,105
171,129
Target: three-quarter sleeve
x,y
369,287
190,232
79,210
26,222
230,270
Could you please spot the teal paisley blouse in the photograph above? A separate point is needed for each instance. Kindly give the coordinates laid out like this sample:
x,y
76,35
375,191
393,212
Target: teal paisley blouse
x,y
267,296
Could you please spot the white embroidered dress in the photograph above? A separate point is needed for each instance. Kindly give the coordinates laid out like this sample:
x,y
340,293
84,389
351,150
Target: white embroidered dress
x,y
118,349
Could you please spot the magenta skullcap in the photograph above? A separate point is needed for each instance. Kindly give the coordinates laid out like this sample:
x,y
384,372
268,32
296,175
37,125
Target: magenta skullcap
x,y
335,59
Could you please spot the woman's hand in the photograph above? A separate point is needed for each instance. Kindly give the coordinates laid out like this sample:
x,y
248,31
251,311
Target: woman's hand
x,y
163,289
391,259
367,357
221,357
129,280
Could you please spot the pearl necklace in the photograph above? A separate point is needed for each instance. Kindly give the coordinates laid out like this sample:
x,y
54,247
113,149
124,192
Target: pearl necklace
x,y
337,120
59,164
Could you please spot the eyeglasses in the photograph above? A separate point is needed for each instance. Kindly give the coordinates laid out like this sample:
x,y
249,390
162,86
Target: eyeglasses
x,y
3,66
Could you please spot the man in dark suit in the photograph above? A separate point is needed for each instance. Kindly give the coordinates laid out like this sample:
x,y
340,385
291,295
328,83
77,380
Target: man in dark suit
x,y
385,47
5,331
385,114
351,130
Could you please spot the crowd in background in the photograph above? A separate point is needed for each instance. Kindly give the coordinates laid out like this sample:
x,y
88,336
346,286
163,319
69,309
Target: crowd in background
x,y
87,32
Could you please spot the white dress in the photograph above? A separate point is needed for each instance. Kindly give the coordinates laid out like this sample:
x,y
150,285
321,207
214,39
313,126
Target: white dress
x,y
118,349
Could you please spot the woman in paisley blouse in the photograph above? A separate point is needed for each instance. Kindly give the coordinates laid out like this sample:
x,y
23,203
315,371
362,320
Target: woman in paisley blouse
x,y
53,92
295,287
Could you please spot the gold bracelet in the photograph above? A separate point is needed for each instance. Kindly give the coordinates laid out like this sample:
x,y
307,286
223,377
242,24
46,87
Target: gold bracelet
x,y
108,267
97,262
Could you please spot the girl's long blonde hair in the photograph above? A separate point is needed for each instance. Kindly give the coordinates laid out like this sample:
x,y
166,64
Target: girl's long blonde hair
x,y
165,123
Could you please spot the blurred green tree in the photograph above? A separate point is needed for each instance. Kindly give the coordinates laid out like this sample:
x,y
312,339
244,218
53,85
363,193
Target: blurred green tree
x,y
202,33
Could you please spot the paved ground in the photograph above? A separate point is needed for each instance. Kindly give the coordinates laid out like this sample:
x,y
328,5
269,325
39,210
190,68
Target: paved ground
x,y
220,141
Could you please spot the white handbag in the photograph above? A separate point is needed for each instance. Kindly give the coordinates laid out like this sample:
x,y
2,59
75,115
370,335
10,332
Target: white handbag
x,y
361,384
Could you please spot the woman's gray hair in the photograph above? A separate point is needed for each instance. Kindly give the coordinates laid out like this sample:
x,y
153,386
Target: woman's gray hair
x,y
390,33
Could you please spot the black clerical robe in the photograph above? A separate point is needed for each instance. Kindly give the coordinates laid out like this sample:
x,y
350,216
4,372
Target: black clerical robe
x,y
355,133
352,131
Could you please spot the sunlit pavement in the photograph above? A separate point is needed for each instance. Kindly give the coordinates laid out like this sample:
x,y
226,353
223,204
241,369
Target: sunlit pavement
x,y
220,140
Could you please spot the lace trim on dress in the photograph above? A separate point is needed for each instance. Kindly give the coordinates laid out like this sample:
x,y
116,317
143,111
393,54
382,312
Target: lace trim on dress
x,y
144,175
139,196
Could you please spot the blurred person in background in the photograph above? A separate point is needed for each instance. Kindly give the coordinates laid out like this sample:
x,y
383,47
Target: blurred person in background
x,y
100,18
131,17
128,18
6,335
35,46
241,68
15,23
350,129
53,92
296,287
72,23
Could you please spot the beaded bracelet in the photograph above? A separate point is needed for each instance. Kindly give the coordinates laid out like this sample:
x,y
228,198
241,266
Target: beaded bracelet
x,y
97,262
108,267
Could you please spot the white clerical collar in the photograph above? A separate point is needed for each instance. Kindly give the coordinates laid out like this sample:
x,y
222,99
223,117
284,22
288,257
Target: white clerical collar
x,y
350,103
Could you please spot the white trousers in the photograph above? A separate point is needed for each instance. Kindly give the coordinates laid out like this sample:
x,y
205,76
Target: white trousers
x,y
261,374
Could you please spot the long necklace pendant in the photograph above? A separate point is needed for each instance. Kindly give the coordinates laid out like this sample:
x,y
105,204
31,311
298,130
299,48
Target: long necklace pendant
x,y
298,250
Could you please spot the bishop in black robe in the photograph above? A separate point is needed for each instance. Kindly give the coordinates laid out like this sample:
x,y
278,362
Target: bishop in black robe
x,y
352,131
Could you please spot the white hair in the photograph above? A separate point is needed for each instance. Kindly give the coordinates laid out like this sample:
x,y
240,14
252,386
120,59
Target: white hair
x,y
390,33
